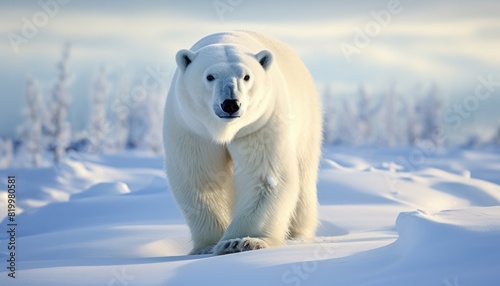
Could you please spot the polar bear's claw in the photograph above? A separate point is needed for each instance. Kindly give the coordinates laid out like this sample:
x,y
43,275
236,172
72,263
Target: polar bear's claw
x,y
239,245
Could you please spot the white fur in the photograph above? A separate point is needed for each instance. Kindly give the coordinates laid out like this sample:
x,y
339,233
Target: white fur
x,y
249,182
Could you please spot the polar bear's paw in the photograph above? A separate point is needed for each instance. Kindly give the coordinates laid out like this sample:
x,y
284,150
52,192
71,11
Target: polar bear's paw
x,y
239,245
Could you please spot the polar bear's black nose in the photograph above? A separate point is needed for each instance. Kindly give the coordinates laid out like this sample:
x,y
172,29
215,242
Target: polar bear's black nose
x,y
230,106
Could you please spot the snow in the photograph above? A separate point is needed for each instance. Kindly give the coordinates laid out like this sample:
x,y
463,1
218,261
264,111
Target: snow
x,y
271,182
386,219
103,189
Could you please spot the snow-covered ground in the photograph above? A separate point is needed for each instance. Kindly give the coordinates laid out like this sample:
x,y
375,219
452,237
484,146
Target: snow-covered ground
x,y
388,217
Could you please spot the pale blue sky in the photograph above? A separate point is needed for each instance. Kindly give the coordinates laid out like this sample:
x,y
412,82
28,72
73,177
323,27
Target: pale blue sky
x,y
449,43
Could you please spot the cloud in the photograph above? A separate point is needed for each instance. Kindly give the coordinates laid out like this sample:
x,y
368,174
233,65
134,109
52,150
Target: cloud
x,y
444,41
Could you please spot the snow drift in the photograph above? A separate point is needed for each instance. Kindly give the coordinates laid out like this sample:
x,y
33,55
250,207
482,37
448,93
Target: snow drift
x,y
110,220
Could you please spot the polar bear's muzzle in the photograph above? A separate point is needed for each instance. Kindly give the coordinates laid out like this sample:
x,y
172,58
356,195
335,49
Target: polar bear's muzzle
x,y
229,109
229,106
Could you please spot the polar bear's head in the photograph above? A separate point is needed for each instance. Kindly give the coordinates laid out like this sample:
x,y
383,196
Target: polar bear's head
x,y
223,88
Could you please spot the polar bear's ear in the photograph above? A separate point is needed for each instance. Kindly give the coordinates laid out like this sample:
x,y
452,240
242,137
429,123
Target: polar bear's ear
x,y
184,58
265,58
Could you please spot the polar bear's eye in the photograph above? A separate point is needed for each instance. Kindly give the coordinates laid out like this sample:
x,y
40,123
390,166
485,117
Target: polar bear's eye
x,y
246,78
210,77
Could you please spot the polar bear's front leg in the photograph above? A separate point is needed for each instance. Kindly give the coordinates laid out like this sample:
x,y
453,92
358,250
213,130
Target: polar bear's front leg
x,y
267,187
201,180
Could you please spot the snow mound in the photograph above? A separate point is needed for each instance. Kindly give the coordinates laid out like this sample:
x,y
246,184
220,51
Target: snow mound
x,y
103,189
452,229
450,247
386,166
330,164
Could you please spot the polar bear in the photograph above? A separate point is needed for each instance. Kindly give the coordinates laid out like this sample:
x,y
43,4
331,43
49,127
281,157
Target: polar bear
x,y
242,136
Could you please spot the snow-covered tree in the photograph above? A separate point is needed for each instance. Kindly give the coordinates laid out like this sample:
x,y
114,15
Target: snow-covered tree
x,y
138,122
153,139
413,123
496,138
120,112
387,118
60,127
347,123
6,153
145,120
368,107
99,127
390,117
31,131
431,113
400,118
329,122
